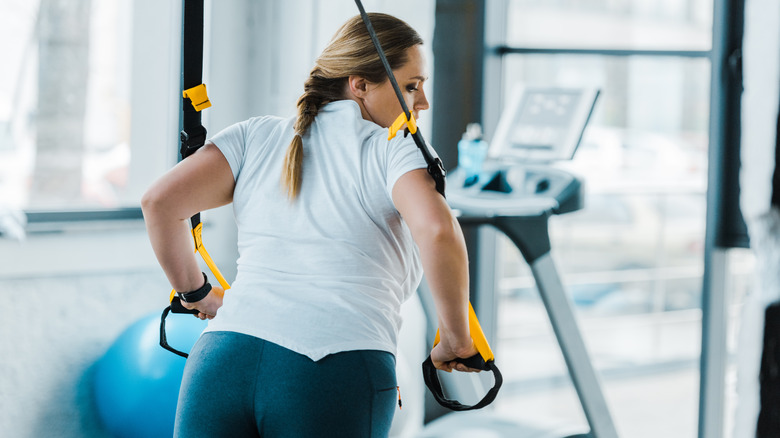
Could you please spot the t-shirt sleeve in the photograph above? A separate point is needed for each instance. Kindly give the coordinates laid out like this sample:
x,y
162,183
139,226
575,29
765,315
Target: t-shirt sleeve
x,y
231,141
403,156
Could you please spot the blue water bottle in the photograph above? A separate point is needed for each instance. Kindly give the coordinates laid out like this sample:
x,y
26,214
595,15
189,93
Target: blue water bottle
x,y
472,151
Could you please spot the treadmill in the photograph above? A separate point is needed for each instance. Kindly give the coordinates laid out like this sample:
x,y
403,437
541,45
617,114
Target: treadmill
x,y
516,193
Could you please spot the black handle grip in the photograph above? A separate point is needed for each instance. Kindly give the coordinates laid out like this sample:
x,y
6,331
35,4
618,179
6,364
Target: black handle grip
x,y
177,307
476,361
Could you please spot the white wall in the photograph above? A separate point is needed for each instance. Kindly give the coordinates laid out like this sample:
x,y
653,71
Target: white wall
x,y
262,51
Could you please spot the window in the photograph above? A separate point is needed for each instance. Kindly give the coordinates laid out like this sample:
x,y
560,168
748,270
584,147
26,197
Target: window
x,y
89,102
632,259
611,24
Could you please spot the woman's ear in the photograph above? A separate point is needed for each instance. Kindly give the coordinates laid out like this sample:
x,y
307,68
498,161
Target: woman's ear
x,y
357,86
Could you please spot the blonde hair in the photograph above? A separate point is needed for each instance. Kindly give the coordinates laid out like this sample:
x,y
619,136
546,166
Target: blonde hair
x,y
350,52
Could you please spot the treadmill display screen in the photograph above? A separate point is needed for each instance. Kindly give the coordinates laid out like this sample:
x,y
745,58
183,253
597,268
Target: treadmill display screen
x,y
543,124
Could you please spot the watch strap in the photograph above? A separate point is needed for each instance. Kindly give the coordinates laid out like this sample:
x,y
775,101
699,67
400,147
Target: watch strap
x,y
197,294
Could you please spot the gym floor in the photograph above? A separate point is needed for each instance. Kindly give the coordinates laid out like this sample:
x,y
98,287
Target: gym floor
x,y
648,364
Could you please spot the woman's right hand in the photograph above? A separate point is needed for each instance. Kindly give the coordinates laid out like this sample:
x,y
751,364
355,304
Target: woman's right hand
x,y
209,305
446,351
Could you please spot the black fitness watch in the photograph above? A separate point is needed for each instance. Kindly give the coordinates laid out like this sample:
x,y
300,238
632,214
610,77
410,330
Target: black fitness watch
x,y
197,294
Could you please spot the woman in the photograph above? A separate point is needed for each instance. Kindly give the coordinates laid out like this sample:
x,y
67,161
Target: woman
x,y
334,223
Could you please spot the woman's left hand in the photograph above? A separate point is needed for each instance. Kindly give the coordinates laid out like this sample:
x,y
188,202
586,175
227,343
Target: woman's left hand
x,y
444,355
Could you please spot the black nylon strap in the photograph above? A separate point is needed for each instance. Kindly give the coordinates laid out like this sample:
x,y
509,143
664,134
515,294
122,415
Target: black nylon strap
x,y
437,172
768,419
193,134
435,166
164,339
476,361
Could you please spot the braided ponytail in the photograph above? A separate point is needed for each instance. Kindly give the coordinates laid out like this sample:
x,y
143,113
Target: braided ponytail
x,y
317,92
350,52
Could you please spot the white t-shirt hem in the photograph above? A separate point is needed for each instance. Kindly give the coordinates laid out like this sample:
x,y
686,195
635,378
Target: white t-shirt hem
x,y
313,354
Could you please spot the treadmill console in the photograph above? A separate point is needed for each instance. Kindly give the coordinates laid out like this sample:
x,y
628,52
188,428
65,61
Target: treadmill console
x,y
539,126
515,190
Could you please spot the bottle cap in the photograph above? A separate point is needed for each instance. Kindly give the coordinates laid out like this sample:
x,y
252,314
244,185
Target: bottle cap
x,y
473,132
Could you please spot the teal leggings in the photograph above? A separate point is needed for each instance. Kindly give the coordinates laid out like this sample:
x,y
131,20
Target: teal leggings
x,y
236,385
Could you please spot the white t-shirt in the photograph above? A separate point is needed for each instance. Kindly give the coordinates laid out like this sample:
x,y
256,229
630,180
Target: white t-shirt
x,y
329,271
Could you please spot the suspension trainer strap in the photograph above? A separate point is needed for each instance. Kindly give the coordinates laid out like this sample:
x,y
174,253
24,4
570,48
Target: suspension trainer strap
x,y
194,98
435,166
484,359
193,137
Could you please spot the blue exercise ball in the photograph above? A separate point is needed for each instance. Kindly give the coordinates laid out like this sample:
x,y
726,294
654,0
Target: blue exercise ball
x,y
136,383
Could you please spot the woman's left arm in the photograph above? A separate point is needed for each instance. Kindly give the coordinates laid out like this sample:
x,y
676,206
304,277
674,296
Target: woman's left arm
x,y
201,182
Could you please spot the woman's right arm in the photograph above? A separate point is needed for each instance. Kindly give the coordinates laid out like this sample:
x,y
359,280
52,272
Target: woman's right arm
x,y
201,182
445,262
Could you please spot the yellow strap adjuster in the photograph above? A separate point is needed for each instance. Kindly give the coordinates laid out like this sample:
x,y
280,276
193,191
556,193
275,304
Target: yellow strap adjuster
x,y
200,249
477,335
399,122
198,97
196,234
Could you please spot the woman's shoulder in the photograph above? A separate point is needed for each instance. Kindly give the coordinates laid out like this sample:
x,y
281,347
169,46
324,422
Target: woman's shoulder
x,y
266,122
